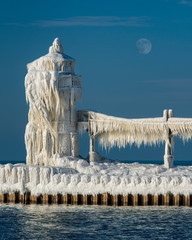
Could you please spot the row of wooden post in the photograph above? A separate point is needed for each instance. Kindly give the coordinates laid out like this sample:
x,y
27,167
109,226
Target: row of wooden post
x,y
99,199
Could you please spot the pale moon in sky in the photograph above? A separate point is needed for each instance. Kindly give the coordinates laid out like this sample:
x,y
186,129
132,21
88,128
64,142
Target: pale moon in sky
x,y
143,46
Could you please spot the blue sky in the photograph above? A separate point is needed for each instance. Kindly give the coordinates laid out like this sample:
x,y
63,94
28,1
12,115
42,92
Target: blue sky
x,y
116,79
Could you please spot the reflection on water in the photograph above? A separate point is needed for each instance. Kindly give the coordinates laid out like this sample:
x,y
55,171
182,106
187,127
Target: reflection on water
x,y
94,222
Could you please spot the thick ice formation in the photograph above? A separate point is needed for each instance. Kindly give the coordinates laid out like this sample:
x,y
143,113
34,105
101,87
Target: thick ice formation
x,y
52,89
113,131
77,176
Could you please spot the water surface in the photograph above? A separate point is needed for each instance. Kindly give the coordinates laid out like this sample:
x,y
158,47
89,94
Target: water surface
x,y
94,222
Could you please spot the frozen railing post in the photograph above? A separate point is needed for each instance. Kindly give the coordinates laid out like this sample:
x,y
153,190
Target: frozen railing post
x,y
168,157
92,152
92,143
93,156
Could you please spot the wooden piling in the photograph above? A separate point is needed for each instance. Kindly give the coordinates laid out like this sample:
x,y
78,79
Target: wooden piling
x,y
166,200
187,201
130,200
155,200
145,200
64,199
177,200
137,200
27,197
53,199
94,200
115,200
89,199
22,198
150,200
124,200
69,199
99,199
1,198
5,197
40,199
33,199
58,198
74,199
106,199
85,199
99,196
169,199
161,199
13,198
45,199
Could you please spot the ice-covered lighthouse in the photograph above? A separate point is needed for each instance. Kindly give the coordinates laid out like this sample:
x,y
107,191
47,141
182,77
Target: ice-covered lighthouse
x,y
52,88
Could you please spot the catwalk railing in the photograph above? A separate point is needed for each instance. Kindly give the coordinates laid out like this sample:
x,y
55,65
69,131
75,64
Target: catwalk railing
x,y
112,131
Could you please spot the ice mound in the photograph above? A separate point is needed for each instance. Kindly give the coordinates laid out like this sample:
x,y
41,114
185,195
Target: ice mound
x,y
77,176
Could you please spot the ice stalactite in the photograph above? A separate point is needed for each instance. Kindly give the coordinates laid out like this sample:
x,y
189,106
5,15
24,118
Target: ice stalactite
x,y
52,89
113,131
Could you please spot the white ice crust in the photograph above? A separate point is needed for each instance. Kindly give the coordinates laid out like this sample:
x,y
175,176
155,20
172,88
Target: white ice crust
x,y
52,89
113,131
77,176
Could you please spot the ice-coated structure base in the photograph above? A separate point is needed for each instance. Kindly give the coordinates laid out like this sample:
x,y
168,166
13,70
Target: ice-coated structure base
x,y
94,157
77,176
168,161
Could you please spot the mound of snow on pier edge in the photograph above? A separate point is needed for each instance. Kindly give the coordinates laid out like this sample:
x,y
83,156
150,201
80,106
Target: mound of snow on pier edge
x,y
77,176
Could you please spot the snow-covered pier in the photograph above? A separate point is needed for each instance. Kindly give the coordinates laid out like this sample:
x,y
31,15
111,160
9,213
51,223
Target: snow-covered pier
x,y
75,181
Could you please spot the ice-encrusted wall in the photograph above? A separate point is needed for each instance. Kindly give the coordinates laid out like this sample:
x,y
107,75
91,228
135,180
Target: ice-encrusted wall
x,y
52,89
77,176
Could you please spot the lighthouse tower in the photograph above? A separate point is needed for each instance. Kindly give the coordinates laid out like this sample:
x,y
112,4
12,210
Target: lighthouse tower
x,y
52,88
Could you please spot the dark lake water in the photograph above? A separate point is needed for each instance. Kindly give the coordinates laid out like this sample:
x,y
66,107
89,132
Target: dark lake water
x,y
94,222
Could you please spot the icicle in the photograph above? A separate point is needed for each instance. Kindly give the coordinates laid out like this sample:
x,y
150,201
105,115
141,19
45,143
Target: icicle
x,y
113,131
2,175
14,176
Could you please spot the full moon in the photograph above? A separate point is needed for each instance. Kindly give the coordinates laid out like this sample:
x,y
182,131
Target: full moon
x,y
143,46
